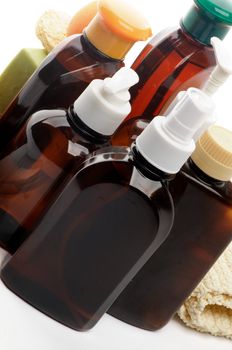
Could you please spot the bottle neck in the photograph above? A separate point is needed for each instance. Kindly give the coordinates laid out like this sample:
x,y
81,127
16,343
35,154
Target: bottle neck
x,y
95,52
202,26
84,130
147,169
203,177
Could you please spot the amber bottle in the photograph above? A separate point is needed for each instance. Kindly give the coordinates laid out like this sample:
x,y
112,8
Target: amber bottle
x,y
130,129
182,58
79,59
50,148
89,245
108,221
202,229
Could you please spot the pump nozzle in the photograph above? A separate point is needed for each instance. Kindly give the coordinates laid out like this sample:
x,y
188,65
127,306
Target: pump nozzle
x,y
167,142
223,69
193,110
105,103
218,77
121,82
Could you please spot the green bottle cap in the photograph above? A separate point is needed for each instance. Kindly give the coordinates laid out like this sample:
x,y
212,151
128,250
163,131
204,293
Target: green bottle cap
x,y
208,18
220,9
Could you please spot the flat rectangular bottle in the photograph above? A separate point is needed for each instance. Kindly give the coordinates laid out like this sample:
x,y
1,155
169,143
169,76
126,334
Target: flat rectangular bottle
x,y
107,223
202,229
81,257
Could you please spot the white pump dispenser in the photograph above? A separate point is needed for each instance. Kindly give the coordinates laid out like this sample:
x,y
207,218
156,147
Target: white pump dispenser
x,y
223,69
218,77
105,103
167,142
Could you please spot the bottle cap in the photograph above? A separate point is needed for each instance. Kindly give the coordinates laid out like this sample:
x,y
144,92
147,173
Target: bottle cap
x,y
82,18
105,103
167,142
221,10
223,69
116,27
213,154
208,18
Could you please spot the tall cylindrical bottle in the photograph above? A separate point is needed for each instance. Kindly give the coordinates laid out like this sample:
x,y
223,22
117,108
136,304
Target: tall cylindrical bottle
x,y
66,72
129,130
183,58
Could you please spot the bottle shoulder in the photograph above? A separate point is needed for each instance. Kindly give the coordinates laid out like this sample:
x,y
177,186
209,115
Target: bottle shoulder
x,y
50,131
110,169
116,164
48,122
76,51
219,189
184,45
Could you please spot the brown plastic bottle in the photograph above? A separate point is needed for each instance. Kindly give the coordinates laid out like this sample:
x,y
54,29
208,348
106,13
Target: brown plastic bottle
x,y
106,224
92,241
202,229
50,148
128,131
182,58
69,68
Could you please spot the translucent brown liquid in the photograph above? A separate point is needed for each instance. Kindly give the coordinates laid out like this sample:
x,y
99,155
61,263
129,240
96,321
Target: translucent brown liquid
x,y
91,243
57,83
39,162
165,68
202,230
128,131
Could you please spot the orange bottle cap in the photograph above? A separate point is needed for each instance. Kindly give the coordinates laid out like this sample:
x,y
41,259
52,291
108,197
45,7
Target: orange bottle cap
x,y
82,18
116,27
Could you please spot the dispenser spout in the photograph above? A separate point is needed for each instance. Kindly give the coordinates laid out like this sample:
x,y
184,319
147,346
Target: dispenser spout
x,y
121,82
106,103
223,69
167,142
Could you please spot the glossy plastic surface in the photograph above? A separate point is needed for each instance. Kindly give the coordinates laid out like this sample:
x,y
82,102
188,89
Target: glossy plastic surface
x,y
166,67
202,230
57,83
128,132
220,9
39,162
92,242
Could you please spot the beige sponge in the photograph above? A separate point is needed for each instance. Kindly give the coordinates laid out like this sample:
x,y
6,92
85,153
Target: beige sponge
x,y
209,308
51,28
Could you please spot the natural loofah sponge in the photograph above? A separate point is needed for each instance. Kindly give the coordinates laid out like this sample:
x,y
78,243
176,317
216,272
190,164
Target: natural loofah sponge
x,y
51,28
209,308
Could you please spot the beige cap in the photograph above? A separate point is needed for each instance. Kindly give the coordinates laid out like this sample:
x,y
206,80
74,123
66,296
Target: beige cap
x,y
213,154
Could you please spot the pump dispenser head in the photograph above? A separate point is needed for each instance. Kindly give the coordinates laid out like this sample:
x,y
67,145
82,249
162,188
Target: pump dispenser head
x,y
116,27
223,69
105,103
218,77
167,142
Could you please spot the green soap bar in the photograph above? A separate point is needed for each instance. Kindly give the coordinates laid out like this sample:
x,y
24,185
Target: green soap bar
x,y
17,73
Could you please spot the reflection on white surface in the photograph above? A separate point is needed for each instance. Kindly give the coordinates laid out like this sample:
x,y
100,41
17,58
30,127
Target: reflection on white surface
x,y
3,256
24,328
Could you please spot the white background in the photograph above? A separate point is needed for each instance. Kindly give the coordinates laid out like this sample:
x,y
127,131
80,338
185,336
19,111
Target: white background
x,y
23,328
